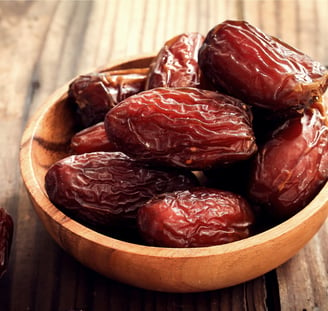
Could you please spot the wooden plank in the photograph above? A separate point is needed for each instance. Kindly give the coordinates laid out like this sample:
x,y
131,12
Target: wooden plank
x,y
321,9
289,23
303,280
23,31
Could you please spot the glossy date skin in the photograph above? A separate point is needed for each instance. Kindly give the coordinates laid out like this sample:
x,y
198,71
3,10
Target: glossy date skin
x,y
292,166
176,65
91,139
6,235
182,127
259,69
105,189
96,93
195,218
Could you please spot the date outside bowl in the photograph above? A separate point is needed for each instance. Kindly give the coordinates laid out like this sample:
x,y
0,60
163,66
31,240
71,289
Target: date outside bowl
x,y
152,268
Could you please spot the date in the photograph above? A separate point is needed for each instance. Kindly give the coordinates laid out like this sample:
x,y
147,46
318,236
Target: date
x,y
96,93
6,235
105,189
91,139
176,64
292,166
182,127
195,218
261,70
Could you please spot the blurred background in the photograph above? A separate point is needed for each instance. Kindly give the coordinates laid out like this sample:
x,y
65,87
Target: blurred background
x,y
55,40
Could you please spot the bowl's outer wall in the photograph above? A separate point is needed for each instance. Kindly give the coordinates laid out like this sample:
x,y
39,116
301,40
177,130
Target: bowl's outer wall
x,y
46,139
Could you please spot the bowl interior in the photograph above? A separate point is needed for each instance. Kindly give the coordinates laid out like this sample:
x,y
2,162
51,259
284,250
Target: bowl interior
x,y
46,140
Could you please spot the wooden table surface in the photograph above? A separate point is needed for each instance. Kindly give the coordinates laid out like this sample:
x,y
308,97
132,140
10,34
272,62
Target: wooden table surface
x,y
43,44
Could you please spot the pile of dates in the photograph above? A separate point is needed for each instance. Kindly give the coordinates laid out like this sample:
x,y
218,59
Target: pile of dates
x,y
221,137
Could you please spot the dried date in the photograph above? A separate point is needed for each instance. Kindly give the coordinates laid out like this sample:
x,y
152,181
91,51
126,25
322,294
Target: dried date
x,y
91,139
292,166
241,60
182,127
195,218
176,64
96,93
105,189
6,235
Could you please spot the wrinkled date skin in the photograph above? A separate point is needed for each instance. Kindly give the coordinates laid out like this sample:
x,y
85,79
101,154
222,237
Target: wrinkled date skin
x,y
176,65
6,235
91,139
195,218
182,127
259,69
96,93
106,188
292,166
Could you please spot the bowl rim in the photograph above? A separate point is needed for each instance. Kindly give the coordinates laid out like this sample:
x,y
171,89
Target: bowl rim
x,y
318,205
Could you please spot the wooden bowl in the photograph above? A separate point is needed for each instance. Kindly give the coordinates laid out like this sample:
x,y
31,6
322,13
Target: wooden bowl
x,y
153,268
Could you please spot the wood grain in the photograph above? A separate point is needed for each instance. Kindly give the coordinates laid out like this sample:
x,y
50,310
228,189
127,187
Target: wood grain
x,y
46,43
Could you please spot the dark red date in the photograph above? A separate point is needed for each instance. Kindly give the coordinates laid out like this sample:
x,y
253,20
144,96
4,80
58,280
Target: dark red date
x,y
96,93
241,60
6,235
91,139
292,166
176,65
195,218
106,188
182,127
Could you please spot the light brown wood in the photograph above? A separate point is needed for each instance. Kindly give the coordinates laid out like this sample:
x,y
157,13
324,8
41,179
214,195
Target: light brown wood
x,y
154,268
